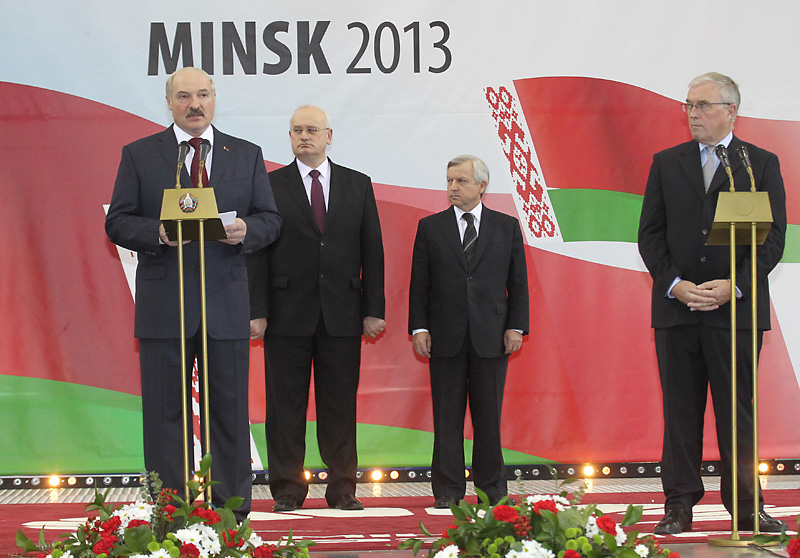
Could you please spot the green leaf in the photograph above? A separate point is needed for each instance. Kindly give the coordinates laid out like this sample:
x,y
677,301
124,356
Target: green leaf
x,y
632,515
205,465
25,543
424,530
137,538
234,503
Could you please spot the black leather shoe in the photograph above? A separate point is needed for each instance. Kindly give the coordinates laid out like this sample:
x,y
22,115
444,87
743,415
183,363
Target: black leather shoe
x,y
676,521
494,500
766,523
285,503
444,502
348,502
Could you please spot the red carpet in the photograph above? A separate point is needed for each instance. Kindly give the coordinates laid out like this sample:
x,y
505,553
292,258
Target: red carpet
x,y
387,521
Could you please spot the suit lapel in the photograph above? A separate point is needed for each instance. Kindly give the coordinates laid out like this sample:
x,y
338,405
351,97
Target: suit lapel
x,y
335,193
168,149
222,156
487,227
452,236
690,163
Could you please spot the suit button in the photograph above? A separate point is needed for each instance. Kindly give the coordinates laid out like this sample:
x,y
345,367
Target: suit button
x,y
705,232
322,244
321,275
703,259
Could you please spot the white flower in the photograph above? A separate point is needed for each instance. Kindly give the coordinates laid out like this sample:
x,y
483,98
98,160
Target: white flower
x,y
591,527
139,510
255,540
450,551
532,549
203,537
481,513
67,554
160,553
641,550
621,537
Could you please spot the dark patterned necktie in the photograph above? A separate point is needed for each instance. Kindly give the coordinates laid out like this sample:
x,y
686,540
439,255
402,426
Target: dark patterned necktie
x,y
195,174
317,200
470,237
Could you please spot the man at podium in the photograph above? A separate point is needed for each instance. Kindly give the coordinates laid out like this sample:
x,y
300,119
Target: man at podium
x,y
691,315
235,170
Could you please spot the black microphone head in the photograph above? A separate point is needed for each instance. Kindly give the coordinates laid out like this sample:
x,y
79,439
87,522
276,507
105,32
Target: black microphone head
x,y
205,147
183,150
744,155
722,153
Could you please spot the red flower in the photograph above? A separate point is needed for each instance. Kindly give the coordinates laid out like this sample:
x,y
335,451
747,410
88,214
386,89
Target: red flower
x,y
794,548
137,523
607,524
208,516
105,544
522,526
571,554
264,551
451,526
189,550
169,509
111,525
230,539
545,505
505,513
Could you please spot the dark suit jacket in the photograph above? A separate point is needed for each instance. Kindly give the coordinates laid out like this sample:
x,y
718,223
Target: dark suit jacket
x,y
676,218
445,295
338,273
240,183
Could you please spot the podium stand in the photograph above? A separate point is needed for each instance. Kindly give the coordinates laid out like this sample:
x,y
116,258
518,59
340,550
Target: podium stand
x,y
742,218
191,214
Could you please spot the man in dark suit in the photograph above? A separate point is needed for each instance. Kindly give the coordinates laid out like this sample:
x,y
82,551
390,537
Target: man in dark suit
x,y
468,310
314,292
691,296
241,184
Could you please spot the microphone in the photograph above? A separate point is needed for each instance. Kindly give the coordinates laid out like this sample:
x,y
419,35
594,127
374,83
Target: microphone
x,y
202,152
745,157
183,150
722,153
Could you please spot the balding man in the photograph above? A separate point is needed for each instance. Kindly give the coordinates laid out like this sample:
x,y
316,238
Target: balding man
x,y
315,292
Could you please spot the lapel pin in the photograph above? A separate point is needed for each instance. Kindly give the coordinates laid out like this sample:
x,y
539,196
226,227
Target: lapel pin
x,y
225,147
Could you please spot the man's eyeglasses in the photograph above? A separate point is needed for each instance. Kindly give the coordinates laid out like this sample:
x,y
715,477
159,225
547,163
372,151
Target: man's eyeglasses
x,y
702,106
297,131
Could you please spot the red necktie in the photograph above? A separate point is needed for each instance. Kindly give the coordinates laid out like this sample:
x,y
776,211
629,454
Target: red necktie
x,y
195,143
317,200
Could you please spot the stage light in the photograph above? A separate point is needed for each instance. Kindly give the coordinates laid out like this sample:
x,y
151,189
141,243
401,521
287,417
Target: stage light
x,y
797,466
17,482
517,473
780,467
323,475
307,474
359,475
658,469
588,471
89,481
535,472
35,481
711,468
394,475
127,480
71,481
466,473
106,481
606,470
412,474
376,475
428,473
571,471
623,470
763,467
640,470
54,481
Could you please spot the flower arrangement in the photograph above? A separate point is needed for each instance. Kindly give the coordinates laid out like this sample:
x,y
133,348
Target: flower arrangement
x,y
163,525
551,526
791,544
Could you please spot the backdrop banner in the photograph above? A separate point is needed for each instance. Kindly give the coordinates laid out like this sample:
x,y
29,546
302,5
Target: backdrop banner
x,y
565,101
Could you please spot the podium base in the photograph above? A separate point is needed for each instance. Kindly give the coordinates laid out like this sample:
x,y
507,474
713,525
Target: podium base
x,y
740,541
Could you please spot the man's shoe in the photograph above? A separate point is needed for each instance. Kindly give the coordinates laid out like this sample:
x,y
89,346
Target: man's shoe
x,y
676,521
494,500
444,502
285,503
766,523
348,502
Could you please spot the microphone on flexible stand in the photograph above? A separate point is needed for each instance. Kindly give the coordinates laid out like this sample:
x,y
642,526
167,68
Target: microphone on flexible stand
x,y
183,150
745,157
202,152
722,153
